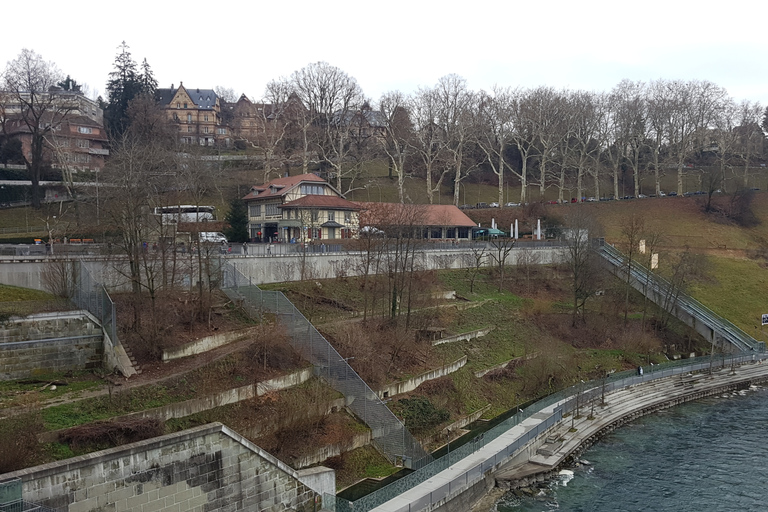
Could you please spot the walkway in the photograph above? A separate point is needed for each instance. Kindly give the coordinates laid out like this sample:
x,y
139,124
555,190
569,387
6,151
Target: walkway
x,y
561,442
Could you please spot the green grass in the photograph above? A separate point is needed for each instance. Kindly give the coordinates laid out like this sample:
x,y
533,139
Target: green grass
x,y
13,393
738,292
15,293
103,407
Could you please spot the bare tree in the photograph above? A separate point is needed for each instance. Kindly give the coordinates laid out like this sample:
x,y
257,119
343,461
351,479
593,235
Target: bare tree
x,y
456,107
428,139
581,260
495,132
331,98
632,230
398,132
29,83
502,246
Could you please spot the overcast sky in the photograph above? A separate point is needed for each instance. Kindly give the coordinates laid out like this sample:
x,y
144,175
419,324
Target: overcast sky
x,y
403,44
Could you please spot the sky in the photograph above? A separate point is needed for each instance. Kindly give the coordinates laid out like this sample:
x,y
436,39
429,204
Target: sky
x,y
403,44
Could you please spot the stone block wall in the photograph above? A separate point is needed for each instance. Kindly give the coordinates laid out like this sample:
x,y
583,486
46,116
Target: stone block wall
x,y
208,468
49,343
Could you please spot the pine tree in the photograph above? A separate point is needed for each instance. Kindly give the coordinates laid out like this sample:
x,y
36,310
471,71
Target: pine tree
x,y
125,84
237,218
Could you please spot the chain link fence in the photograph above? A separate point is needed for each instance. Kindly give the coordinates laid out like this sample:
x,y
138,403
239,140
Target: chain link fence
x,y
91,295
11,499
388,432
657,286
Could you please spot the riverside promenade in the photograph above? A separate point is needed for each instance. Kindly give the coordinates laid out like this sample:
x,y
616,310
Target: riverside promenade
x,y
556,445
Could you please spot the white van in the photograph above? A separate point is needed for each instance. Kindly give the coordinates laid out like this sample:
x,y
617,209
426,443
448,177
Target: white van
x,y
212,237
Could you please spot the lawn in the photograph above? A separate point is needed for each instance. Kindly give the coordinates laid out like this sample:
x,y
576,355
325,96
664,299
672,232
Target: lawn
x,y
738,292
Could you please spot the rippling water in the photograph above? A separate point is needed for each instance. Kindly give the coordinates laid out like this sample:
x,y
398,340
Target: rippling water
x,y
705,456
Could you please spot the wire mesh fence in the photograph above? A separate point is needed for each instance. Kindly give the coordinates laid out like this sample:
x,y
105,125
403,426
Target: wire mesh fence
x,y
566,401
388,432
90,294
11,499
657,286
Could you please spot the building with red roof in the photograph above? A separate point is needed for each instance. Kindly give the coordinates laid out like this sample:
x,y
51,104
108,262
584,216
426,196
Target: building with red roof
x,y
299,208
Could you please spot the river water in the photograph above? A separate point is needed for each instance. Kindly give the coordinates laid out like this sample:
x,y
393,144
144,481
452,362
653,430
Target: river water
x,y
704,456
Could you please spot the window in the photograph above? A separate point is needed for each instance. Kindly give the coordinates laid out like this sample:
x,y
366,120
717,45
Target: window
x,y
437,233
189,129
463,232
331,216
84,129
315,190
185,105
205,118
189,117
270,209
221,131
205,129
331,232
254,210
178,105
315,215
347,217
83,143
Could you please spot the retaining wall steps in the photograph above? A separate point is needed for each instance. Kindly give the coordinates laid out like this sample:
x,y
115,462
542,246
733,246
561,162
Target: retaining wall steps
x,y
134,363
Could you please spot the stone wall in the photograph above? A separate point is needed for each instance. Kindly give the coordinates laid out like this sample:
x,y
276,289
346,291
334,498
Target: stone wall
x,y
50,342
405,386
207,468
202,345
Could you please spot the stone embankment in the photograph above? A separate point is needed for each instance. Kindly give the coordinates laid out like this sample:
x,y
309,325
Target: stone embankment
x,y
575,434
554,443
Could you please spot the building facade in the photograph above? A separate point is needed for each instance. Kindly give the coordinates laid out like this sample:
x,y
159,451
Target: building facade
x,y
196,113
299,208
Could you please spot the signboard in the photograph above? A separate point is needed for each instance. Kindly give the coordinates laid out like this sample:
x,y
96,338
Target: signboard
x,y
765,319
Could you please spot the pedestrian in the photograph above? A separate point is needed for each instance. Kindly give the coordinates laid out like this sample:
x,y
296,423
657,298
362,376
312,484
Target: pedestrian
x,y
269,249
245,248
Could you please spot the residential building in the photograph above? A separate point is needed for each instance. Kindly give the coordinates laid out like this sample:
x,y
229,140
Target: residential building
x,y
299,209
196,113
74,142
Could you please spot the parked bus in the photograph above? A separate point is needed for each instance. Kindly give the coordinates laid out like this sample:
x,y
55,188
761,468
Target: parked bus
x,y
185,213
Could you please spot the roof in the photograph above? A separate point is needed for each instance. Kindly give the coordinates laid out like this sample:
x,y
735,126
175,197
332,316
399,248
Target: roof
x,y
323,202
427,214
203,98
282,186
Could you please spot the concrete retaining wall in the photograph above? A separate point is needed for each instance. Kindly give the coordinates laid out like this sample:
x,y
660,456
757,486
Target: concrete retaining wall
x,y
208,468
479,333
409,385
271,269
332,450
196,405
204,344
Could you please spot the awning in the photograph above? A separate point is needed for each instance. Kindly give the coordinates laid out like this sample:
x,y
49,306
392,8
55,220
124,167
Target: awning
x,y
331,224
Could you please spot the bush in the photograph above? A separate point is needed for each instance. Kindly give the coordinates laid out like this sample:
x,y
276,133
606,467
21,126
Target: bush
x,y
18,441
420,414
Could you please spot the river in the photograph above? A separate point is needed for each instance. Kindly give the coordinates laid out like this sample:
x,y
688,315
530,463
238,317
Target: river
x,y
703,456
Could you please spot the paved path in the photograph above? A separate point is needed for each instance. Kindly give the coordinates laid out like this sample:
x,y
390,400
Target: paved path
x,y
624,403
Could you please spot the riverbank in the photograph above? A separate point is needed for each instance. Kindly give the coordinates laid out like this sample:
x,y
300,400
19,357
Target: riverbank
x,y
554,445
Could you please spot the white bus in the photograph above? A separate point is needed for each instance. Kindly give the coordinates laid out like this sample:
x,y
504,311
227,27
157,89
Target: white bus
x,y
185,213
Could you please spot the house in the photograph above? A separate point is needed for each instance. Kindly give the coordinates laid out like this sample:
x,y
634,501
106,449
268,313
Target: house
x,y
74,142
424,221
196,113
299,209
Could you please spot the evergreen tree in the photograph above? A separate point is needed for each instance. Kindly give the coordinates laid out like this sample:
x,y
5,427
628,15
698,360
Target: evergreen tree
x,y
125,84
237,218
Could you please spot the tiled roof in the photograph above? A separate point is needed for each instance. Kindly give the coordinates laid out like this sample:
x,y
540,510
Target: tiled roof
x,y
283,184
203,98
326,202
422,214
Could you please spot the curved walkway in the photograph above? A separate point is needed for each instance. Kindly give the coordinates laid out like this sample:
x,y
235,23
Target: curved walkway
x,y
554,446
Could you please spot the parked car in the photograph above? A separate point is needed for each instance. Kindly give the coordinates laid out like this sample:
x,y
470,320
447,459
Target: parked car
x,y
591,200
672,194
213,237
493,205
642,196
509,205
466,207
482,205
